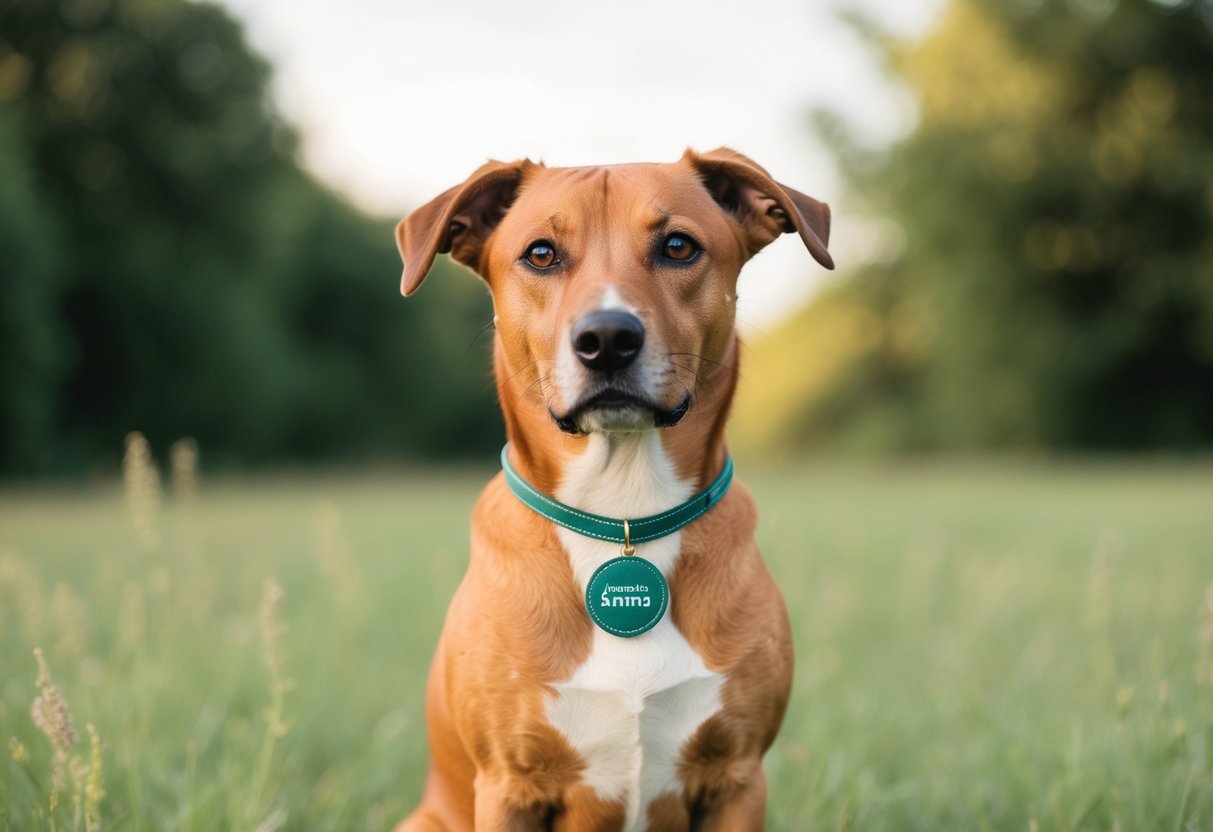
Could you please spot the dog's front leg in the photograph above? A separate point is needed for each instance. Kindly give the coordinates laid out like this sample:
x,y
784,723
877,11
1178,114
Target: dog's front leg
x,y
498,809
742,809
578,810
584,811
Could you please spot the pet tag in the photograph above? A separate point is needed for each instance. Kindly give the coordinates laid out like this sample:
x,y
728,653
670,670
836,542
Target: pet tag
x,y
627,596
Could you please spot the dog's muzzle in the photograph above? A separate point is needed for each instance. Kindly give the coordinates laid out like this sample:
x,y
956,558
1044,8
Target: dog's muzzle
x,y
608,343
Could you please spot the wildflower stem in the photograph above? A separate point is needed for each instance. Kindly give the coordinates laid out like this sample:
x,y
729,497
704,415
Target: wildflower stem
x,y
272,632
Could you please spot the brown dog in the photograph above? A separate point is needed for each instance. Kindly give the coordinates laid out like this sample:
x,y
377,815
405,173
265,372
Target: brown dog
x,y
616,360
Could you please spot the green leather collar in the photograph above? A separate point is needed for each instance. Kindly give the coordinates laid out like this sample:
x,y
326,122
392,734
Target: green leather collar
x,y
609,528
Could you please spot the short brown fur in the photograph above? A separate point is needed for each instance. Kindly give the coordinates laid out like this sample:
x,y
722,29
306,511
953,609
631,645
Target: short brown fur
x,y
517,623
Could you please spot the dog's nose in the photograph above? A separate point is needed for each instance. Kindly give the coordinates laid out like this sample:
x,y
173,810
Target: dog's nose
x,y
608,340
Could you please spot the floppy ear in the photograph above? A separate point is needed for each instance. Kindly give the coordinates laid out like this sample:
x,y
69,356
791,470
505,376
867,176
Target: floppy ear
x,y
459,221
764,208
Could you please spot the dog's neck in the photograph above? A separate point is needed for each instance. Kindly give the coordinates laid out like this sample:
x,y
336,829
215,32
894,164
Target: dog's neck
x,y
695,448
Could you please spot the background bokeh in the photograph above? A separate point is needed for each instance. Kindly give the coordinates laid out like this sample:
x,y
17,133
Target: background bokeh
x,y
1026,262
236,468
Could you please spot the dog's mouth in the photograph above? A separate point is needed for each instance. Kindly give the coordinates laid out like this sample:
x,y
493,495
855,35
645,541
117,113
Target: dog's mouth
x,y
612,408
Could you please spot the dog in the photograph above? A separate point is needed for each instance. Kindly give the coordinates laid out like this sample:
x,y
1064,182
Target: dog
x,y
559,698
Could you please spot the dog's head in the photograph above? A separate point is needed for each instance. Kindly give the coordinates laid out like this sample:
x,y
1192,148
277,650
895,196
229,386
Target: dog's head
x,y
614,288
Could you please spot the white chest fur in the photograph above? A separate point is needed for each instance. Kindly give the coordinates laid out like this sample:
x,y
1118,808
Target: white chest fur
x,y
632,705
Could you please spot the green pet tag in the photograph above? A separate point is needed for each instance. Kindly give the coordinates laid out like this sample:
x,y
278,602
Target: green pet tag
x,y
627,596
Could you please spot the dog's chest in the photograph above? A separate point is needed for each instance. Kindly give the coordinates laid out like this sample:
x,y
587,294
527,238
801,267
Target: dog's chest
x,y
632,705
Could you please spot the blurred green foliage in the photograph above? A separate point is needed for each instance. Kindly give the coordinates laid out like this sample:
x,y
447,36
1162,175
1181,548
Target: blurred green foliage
x,y
168,267
1042,276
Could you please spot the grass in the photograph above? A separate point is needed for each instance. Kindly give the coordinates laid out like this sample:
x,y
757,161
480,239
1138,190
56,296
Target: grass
x,y
1012,647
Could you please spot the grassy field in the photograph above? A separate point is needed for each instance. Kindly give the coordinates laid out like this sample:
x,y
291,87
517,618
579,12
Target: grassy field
x,y
1011,647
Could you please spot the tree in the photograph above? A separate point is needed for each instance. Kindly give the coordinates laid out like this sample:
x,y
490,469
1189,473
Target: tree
x,y
169,267
1055,287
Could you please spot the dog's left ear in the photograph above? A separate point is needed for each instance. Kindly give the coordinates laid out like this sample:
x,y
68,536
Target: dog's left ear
x,y
764,208
459,221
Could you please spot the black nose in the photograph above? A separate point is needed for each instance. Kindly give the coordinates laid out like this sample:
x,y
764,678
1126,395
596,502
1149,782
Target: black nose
x,y
608,340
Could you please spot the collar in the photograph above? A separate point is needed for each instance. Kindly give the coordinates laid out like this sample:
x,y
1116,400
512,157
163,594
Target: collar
x,y
625,531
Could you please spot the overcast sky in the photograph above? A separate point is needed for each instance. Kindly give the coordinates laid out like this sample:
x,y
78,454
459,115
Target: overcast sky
x,y
399,100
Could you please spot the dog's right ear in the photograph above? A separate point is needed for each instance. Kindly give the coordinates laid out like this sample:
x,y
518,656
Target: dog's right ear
x,y
459,221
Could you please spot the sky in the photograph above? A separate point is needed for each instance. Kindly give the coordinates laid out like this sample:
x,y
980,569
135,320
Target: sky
x,y
399,100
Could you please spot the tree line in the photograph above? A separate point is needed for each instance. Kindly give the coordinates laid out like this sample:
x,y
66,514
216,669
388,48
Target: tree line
x,y
1042,276
168,266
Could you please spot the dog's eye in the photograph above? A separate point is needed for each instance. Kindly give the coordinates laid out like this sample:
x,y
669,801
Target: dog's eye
x,y
679,248
541,255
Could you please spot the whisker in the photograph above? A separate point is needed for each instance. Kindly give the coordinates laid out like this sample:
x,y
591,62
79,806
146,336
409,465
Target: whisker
x,y
499,386
701,358
695,377
467,352
490,325
529,387
523,369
